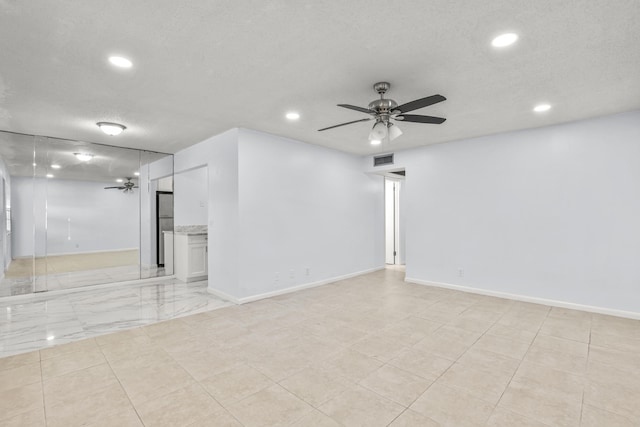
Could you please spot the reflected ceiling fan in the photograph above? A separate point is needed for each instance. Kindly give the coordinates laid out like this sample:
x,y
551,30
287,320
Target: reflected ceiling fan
x,y
384,110
126,187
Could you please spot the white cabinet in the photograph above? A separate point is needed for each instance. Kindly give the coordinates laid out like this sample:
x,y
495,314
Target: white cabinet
x,y
191,261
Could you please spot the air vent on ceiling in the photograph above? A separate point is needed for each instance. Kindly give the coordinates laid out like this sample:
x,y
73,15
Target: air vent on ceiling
x,y
386,159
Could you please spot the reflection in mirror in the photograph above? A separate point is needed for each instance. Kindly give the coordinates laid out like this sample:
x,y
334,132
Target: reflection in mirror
x,y
77,213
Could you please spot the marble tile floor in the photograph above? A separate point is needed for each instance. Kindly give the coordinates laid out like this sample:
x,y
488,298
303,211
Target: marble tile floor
x,y
367,351
45,320
11,286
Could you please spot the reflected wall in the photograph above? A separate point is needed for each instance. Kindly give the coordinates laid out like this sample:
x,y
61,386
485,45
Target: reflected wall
x,y
73,220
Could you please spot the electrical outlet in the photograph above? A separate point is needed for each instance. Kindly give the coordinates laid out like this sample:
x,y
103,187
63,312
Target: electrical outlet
x,y
460,272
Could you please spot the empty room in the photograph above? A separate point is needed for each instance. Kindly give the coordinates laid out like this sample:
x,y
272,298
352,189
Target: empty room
x,y
324,214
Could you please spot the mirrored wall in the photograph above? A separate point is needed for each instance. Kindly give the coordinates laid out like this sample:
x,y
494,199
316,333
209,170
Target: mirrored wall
x,y
78,214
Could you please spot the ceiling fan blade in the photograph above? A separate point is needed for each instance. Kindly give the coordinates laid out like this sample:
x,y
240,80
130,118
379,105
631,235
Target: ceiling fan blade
x,y
353,107
421,103
420,119
106,188
344,124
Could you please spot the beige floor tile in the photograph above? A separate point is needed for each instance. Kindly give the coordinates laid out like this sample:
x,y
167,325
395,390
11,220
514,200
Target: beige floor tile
x,y
472,325
273,406
614,357
218,419
61,350
315,418
378,347
150,376
616,342
614,398
484,359
119,418
19,400
451,407
351,364
503,418
235,384
557,360
33,418
90,409
575,348
448,342
623,375
280,365
542,404
423,364
69,362
20,376
179,408
596,417
127,347
566,329
315,386
205,362
544,376
411,330
502,345
18,360
487,384
396,384
358,406
512,334
75,385
411,418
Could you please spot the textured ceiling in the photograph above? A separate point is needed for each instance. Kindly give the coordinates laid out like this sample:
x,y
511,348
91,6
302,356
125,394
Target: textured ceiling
x,y
202,67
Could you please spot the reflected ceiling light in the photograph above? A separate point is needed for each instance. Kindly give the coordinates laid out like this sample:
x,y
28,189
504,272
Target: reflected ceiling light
x,y
375,142
504,40
136,173
541,108
35,164
111,129
394,131
51,338
119,180
121,62
55,166
84,157
49,175
292,115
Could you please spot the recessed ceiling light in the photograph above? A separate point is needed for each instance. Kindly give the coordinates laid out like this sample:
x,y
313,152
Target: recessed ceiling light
x,y
84,157
136,173
541,108
55,166
35,164
119,180
504,40
49,175
121,62
375,142
292,115
111,129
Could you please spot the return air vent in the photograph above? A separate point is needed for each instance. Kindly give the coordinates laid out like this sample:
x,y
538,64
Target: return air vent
x,y
386,159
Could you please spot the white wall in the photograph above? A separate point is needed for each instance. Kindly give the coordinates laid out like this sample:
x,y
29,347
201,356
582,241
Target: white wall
x,y
304,206
191,197
5,237
81,216
551,213
277,205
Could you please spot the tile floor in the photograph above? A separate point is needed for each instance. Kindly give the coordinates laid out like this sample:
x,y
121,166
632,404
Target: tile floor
x,y
368,351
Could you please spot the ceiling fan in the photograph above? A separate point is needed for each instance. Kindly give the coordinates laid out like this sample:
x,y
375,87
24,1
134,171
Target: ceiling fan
x,y
127,187
384,110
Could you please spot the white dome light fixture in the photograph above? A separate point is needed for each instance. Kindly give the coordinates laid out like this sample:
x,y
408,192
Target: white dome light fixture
x,y
136,173
111,129
541,108
292,115
55,166
120,61
83,157
504,40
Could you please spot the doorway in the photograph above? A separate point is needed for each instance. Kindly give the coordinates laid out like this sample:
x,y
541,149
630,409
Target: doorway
x,y
164,222
394,230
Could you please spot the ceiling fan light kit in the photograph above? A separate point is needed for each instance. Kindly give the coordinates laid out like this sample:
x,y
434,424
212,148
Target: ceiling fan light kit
x,y
384,110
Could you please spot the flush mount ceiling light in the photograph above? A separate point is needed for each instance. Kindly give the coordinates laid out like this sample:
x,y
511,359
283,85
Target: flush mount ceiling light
x,y
121,62
292,115
55,166
119,180
504,40
49,175
136,173
83,157
111,129
541,108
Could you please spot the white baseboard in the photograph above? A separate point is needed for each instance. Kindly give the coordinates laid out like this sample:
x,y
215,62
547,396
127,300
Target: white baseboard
x,y
291,289
525,298
77,253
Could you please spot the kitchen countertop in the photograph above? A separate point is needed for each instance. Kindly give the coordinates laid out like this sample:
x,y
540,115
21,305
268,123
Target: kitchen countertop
x,y
189,230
